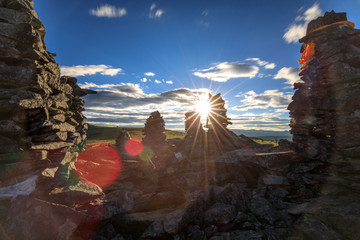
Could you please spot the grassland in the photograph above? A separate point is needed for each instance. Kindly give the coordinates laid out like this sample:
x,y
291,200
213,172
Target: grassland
x,y
109,134
262,141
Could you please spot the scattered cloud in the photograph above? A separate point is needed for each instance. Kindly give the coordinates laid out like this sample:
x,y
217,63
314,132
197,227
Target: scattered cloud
x,y
157,81
203,23
155,13
108,11
149,74
290,74
262,63
82,70
205,12
224,71
169,82
143,80
297,29
126,89
126,104
263,75
265,100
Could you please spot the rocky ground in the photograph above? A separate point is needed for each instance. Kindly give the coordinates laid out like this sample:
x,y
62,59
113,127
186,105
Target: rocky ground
x,y
240,195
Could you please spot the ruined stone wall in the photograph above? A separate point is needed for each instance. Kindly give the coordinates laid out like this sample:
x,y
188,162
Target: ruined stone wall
x,y
325,112
39,111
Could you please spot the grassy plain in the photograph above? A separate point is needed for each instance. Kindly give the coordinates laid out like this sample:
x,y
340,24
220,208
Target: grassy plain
x,y
109,134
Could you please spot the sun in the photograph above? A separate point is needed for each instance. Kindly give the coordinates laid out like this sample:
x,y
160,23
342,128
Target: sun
x,y
203,106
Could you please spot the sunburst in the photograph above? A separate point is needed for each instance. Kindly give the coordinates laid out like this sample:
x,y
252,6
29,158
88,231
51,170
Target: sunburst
x,y
203,107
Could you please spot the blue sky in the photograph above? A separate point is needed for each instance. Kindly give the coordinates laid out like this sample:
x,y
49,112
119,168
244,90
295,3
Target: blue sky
x,y
144,55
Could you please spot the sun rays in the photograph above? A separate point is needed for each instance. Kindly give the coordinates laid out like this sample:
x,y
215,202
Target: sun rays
x,y
203,107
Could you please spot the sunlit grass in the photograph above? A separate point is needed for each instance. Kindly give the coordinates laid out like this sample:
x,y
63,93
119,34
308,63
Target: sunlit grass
x,y
262,141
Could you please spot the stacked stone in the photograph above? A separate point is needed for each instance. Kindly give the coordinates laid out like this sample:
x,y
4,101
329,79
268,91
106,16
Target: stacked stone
x,y
38,110
192,122
154,131
218,119
325,112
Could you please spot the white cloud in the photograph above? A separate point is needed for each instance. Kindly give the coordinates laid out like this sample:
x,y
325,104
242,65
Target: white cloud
x,y
297,30
149,74
270,66
82,70
169,82
224,71
265,100
143,79
155,13
291,75
157,81
108,11
126,104
158,13
262,63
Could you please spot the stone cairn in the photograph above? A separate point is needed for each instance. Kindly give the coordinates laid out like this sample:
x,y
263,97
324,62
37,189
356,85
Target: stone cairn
x,y
193,143
154,135
199,143
325,112
40,112
121,139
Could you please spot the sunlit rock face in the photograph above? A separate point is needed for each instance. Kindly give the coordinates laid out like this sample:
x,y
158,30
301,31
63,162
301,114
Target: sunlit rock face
x,y
40,112
40,121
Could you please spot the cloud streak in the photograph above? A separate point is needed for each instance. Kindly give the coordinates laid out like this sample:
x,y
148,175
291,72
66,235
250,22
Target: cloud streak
x,y
262,63
225,71
265,100
82,70
149,74
262,121
297,29
108,11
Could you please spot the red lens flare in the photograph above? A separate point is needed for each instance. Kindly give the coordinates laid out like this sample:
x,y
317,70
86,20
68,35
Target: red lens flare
x,y
99,163
133,147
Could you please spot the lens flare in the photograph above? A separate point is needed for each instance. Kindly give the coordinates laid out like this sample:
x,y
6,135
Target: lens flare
x,y
133,147
99,163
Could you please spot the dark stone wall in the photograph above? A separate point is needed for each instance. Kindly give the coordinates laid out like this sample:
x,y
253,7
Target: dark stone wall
x,y
39,110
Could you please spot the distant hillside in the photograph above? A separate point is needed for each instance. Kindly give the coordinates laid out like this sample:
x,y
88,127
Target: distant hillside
x,y
109,134
266,135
